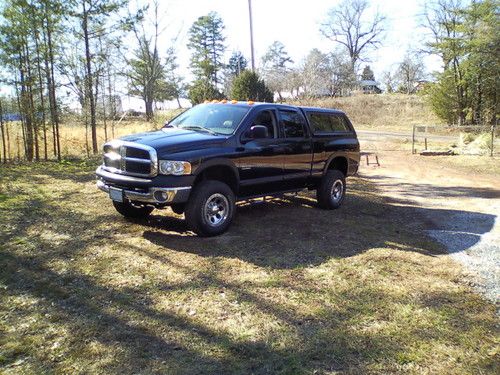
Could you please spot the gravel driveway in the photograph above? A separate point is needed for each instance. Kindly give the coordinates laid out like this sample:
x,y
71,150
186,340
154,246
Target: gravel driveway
x,y
461,210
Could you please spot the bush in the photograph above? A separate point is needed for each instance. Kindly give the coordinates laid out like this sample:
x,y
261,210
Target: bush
x,y
202,90
248,86
474,145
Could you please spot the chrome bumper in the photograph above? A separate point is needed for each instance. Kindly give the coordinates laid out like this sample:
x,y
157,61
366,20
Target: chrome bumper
x,y
153,195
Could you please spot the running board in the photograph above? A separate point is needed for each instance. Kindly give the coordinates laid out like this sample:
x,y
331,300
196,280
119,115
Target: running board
x,y
271,195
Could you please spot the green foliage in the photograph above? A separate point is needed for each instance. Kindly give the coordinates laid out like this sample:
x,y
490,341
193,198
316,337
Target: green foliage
x,y
206,40
276,56
147,73
203,89
248,86
367,74
468,40
441,97
237,64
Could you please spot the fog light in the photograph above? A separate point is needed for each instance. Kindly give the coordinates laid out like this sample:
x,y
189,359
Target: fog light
x,y
160,196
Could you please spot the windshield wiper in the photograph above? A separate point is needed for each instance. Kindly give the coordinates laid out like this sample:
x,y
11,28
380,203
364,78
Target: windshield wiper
x,y
195,127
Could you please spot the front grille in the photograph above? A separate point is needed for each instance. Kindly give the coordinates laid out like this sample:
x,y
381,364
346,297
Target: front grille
x,y
130,159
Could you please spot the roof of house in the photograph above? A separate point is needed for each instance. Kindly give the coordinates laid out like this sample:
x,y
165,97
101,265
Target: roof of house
x,y
368,82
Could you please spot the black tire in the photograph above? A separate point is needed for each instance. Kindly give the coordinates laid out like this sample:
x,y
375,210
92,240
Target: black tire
x,y
210,208
331,190
178,208
131,211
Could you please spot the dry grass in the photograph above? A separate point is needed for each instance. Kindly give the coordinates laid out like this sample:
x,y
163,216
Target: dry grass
x,y
76,140
291,289
386,111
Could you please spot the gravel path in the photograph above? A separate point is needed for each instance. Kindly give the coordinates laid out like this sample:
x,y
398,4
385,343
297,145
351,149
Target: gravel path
x,y
462,211
474,241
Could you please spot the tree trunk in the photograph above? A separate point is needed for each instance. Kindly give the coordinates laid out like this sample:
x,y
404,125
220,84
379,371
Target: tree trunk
x,y
42,98
31,105
49,66
25,111
7,135
4,146
89,79
149,109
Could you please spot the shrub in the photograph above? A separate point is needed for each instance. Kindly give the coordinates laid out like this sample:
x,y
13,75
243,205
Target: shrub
x,y
248,86
202,90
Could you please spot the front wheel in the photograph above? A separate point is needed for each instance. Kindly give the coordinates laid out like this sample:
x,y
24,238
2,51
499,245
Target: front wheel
x,y
210,208
331,190
133,211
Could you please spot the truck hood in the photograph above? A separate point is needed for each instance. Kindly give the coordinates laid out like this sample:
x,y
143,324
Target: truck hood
x,y
172,140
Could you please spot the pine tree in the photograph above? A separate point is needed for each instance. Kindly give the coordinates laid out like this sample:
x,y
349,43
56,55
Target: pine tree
x,y
206,41
237,64
367,74
147,74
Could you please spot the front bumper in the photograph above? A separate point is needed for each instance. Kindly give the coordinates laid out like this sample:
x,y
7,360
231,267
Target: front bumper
x,y
134,190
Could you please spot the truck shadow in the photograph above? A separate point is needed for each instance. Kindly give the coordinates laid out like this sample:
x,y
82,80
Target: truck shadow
x,y
291,232
423,189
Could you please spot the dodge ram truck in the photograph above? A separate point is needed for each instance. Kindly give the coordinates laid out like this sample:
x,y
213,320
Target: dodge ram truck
x,y
215,154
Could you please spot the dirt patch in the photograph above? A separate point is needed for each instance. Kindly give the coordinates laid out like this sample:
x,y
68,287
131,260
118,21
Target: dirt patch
x,y
468,226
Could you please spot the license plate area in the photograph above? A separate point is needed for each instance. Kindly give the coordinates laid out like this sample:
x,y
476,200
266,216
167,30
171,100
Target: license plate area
x,y
116,194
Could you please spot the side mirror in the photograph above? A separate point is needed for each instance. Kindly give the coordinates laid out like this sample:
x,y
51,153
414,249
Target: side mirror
x,y
257,132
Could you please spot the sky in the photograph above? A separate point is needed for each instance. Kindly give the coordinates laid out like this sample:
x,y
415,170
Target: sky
x,y
296,24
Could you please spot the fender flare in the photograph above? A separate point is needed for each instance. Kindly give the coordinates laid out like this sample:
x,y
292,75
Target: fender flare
x,y
332,157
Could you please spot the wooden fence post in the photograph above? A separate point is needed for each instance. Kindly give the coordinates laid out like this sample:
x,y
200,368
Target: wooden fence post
x,y
492,139
413,141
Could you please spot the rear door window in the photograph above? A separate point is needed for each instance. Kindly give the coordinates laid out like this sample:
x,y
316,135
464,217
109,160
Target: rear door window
x,y
293,124
323,123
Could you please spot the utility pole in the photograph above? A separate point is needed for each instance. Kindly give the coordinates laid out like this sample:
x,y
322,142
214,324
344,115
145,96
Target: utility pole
x,y
251,34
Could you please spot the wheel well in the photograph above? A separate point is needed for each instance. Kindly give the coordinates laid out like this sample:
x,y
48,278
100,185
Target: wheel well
x,y
339,163
219,173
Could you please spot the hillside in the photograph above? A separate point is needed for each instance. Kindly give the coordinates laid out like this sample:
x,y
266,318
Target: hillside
x,y
394,111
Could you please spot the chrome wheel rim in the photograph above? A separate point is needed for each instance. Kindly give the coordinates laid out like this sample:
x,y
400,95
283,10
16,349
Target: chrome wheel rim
x,y
337,191
216,209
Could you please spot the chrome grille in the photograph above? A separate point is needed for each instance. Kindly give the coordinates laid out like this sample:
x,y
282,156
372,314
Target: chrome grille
x,y
130,158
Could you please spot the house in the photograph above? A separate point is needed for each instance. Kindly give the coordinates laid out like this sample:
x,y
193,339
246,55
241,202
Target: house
x,y
420,85
370,87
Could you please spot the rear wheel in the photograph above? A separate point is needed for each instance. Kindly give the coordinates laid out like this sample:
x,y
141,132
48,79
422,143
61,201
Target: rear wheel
x,y
133,211
210,208
331,190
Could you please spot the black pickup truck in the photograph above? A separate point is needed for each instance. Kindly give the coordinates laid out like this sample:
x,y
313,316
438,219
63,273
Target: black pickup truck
x,y
217,153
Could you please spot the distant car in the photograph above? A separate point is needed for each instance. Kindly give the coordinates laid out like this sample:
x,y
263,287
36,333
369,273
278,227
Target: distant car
x,y
215,154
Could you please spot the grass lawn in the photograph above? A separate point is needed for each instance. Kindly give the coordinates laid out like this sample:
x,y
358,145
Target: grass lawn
x,y
290,289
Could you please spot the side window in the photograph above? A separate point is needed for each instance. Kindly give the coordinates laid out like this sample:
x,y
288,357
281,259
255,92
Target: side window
x,y
267,119
293,124
327,123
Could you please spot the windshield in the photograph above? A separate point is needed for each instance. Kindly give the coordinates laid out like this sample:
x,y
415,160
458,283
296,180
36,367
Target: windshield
x,y
212,118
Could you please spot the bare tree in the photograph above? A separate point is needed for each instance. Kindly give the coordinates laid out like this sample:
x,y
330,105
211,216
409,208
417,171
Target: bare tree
x,y
389,79
347,25
410,71
316,69
275,67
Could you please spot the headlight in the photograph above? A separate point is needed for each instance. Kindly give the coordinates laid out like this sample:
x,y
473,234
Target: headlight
x,y
176,168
